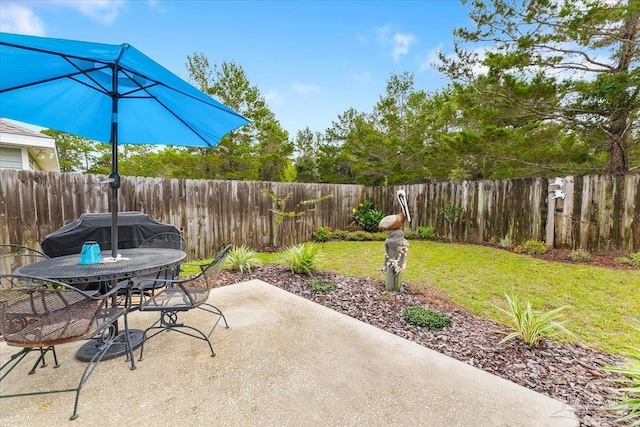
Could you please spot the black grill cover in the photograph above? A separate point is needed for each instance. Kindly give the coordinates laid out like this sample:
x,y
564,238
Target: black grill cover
x,y
133,229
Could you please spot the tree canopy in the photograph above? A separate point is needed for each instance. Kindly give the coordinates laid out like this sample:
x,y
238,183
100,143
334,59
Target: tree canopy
x,y
568,65
537,88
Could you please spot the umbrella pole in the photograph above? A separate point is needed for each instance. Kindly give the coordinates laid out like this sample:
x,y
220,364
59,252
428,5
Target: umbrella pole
x,y
114,178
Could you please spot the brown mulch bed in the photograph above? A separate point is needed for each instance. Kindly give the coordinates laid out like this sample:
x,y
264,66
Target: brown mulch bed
x,y
568,373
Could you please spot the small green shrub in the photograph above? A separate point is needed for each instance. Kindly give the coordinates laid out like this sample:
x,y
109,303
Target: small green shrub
x,y
633,260
427,232
323,286
630,399
358,236
579,255
340,234
303,258
506,242
411,235
367,216
322,234
425,318
531,247
530,326
241,258
380,236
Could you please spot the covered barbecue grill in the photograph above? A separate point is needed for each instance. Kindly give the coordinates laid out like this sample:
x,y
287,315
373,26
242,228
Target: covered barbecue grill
x,y
133,229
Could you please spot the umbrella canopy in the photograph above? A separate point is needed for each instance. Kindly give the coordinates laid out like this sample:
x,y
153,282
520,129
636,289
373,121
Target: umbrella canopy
x,y
109,93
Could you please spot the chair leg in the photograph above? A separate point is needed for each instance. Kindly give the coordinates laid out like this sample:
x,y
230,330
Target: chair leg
x,y
41,359
214,310
95,360
169,322
128,340
14,360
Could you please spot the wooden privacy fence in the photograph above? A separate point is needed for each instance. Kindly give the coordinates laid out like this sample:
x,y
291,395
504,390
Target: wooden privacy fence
x,y
597,213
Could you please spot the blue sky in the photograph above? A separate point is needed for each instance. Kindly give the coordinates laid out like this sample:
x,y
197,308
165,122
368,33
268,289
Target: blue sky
x,y
311,60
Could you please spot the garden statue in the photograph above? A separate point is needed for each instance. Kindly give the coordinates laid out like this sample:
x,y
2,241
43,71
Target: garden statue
x,y
396,246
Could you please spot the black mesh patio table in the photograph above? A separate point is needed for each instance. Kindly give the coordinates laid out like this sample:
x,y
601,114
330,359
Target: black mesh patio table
x,y
133,262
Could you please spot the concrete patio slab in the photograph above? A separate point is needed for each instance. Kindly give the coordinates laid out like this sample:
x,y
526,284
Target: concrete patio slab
x,y
284,361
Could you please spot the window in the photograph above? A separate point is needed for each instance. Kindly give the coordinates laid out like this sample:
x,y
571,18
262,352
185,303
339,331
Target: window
x,y
10,158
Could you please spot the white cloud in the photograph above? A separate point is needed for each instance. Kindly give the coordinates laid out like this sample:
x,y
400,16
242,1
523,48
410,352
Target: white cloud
x,y
273,98
19,19
401,43
305,89
105,11
398,42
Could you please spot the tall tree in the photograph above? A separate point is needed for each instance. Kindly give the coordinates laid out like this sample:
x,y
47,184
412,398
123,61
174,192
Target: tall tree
x,y
587,51
307,145
258,150
390,144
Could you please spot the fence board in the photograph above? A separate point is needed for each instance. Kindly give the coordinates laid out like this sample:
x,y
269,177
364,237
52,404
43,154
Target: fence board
x,y
599,213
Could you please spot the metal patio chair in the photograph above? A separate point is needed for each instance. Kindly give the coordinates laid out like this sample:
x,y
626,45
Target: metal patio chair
x,y
152,282
13,257
38,312
180,295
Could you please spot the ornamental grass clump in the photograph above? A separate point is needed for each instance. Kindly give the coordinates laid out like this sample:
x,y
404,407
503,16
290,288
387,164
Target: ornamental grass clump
x,y
629,402
241,258
303,258
425,318
529,326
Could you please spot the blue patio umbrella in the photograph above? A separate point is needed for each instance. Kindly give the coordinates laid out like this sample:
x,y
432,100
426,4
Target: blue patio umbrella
x,y
109,93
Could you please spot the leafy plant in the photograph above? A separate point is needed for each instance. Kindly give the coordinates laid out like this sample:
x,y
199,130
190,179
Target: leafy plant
x,y
301,209
633,260
630,399
322,234
452,214
242,258
303,258
367,216
427,232
420,316
532,247
506,242
529,326
579,255
323,286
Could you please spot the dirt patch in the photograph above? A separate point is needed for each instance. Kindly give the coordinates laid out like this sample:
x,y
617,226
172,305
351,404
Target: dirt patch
x,y
572,374
604,260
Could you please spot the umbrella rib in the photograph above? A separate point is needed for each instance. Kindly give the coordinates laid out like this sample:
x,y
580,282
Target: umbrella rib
x,y
128,73
66,76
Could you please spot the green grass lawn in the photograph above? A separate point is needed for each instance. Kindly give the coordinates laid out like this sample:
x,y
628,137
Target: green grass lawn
x,y
604,304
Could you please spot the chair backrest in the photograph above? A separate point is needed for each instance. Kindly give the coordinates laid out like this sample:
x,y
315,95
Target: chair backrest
x,y
165,240
13,257
190,292
37,312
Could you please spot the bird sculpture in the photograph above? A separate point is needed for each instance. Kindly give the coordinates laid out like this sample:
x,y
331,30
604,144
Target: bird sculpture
x,y
396,222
